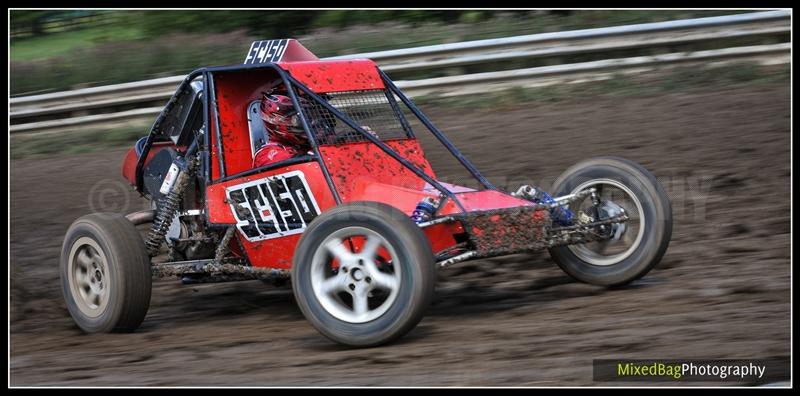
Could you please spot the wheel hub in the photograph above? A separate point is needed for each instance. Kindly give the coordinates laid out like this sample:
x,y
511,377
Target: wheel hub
x,y
623,238
87,276
96,281
608,210
361,290
357,275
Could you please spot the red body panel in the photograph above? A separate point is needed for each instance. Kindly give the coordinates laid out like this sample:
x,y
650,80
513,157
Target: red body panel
x,y
442,236
295,52
362,172
275,252
336,76
235,91
483,200
270,228
359,171
129,163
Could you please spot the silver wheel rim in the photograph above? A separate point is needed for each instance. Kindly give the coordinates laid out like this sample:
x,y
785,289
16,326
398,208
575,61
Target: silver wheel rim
x,y
610,252
359,287
88,277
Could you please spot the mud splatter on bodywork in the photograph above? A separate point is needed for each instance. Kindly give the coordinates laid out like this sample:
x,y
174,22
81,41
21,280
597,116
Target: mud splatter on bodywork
x,y
507,231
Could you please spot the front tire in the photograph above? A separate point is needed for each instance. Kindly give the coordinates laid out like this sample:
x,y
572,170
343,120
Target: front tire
x,y
105,274
651,221
363,274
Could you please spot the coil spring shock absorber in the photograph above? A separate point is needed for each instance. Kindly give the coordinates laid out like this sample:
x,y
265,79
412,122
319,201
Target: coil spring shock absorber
x,y
174,186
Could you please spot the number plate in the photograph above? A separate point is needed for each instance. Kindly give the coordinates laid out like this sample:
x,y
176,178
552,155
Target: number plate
x,y
266,51
273,207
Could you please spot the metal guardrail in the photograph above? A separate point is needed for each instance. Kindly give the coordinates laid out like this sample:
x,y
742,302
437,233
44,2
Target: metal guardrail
x,y
478,47
460,54
88,97
587,71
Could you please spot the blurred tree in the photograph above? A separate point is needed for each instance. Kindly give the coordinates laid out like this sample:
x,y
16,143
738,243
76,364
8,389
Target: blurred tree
x,y
280,23
33,21
271,22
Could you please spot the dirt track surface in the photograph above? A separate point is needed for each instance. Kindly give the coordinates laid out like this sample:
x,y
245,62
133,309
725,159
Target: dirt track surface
x,y
721,291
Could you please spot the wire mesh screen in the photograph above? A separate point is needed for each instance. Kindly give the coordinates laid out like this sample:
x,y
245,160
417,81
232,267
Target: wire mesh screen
x,y
373,110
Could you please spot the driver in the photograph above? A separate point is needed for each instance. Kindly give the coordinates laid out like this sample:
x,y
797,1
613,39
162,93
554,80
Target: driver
x,y
287,138
286,135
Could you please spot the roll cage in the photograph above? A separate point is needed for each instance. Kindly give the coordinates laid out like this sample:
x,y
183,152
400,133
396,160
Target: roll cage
x,y
295,88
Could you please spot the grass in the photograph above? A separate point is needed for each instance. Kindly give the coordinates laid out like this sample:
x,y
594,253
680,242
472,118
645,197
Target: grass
x,y
63,43
112,53
118,62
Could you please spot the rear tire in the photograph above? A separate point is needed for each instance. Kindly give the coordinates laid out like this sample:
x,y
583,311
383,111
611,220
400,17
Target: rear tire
x,y
352,295
656,222
105,274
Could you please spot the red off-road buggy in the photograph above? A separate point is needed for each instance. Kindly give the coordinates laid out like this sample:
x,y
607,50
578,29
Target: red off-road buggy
x,y
359,224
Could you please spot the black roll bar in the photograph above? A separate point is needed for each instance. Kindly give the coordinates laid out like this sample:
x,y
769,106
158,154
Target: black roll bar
x,y
385,148
436,132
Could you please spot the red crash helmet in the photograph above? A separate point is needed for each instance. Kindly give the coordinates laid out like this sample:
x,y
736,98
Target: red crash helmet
x,y
281,120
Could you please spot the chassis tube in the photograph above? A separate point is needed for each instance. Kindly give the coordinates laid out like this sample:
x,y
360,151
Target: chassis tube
x,y
212,100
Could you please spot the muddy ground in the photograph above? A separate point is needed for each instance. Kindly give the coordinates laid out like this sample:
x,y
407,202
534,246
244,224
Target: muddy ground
x,y
721,291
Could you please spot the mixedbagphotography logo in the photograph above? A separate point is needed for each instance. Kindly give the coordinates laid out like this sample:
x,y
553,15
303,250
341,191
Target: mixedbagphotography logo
x,y
751,371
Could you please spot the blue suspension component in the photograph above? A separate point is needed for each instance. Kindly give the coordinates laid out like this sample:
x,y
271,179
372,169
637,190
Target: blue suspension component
x,y
425,210
559,214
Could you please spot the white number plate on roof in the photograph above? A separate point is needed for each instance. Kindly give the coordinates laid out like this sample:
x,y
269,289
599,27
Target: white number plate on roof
x,y
265,51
